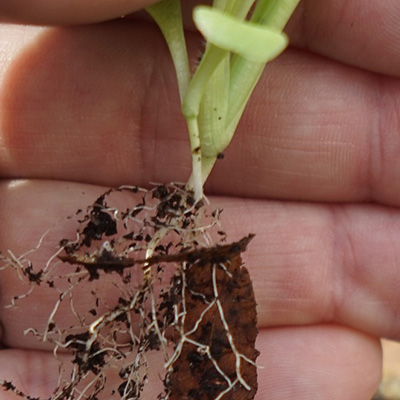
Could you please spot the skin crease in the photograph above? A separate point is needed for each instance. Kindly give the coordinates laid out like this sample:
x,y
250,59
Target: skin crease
x,y
313,171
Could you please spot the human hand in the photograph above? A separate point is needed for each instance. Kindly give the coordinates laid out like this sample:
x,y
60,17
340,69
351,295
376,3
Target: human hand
x,y
312,171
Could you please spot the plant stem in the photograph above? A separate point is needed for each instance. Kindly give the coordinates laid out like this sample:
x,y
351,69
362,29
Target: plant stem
x,y
168,16
213,56
239,8
274,13
210,61
195,181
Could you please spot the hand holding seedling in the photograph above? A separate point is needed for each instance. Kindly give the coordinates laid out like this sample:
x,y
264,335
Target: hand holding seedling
x,y
312,171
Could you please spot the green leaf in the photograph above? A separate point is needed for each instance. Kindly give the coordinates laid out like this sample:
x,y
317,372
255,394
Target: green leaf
x,y
254,42
213,110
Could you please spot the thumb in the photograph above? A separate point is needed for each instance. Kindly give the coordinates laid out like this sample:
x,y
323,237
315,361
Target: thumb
x,y
66,12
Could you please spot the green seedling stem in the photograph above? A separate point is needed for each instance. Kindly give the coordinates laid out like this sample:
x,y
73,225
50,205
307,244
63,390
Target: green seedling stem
x,y
238,46
168,16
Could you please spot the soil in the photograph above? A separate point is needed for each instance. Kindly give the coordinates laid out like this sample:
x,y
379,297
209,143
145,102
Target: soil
x,y
194,301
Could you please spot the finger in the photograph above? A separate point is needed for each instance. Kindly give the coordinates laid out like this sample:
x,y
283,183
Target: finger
x,y
63,12
314,264
33,372
326,362
79,108
353,32
36,374
356,32
364,34
310,264
111,120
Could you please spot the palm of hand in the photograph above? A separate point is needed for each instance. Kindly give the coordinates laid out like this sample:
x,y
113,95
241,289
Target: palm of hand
x,y
314,164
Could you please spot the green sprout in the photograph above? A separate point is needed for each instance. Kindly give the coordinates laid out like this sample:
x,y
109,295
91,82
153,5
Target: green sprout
x,y
242,36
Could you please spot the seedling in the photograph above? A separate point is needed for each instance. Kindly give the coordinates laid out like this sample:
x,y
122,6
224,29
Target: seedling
x,y
237,49
180,291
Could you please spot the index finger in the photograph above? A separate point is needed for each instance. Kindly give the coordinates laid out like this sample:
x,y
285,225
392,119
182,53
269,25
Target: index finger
x,y
357,32
63,12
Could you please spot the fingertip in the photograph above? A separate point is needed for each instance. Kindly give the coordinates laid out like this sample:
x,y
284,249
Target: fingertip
x,y
64,12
